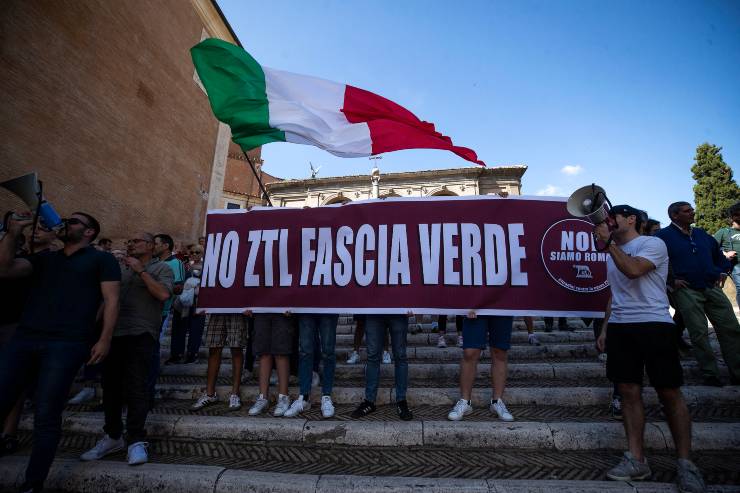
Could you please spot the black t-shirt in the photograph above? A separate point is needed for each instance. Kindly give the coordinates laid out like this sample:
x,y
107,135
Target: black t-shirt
x,y
65,293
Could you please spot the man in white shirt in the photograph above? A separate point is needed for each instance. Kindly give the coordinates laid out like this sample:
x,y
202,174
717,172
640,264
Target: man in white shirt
x,y
638,336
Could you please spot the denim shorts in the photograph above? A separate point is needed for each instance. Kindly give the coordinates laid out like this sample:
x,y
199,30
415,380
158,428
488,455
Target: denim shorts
x,y
497,328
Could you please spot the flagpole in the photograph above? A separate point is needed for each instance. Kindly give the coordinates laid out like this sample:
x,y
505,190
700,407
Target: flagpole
x,y
262,186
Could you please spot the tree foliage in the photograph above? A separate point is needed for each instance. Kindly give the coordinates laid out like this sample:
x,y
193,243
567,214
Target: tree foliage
x,y
715,190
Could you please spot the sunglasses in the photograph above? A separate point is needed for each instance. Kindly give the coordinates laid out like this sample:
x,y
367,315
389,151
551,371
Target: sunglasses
x,y
195,252
73,220
136,240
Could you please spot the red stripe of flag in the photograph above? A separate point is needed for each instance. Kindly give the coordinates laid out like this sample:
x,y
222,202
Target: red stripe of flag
x,y
393,127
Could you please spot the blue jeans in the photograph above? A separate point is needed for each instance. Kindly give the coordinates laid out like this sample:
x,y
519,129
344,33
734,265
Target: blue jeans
x,y
191,327
51,366
308,326
736,279
374,334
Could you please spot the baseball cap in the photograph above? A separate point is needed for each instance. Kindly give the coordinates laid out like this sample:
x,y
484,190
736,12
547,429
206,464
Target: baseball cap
x,y
625,210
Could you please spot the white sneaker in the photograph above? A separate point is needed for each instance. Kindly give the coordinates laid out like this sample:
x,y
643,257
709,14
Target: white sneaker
x,y
137,453
499,408
387,358
462,408
283,404
105,446
354,358
441,343
235,402
327,406
299,405
533,341
459,341
204,400
273,378
315,380
84,395
259,405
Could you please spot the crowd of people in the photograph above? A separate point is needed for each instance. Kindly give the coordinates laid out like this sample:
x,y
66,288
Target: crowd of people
x,y
78,306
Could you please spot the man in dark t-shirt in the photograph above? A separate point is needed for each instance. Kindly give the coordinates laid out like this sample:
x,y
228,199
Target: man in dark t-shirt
x,y
56,333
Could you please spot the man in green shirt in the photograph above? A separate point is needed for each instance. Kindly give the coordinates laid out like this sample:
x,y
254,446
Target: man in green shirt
x,y
729,242
146,283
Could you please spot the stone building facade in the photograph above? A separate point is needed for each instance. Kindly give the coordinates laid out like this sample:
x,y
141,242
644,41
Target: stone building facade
x,y
315,192
100,98
241,188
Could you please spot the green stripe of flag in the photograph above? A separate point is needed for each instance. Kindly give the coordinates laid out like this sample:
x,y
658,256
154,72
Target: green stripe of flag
x,y
235,84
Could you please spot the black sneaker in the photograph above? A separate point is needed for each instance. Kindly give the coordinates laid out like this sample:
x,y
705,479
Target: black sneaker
x,y
174,360
713,382
366,407
548,328
403,411
8,445
191,358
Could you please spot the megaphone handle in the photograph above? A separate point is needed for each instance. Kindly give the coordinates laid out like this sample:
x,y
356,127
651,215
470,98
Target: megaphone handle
x,y
606,245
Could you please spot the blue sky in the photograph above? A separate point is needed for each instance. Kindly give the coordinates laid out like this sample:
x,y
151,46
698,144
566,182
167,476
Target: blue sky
x,y
619,93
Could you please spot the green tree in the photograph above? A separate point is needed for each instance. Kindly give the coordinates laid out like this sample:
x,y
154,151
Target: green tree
x,y
715,190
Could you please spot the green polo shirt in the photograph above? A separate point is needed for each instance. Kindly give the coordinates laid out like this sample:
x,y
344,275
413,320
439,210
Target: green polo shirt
x,y
139,311
728,239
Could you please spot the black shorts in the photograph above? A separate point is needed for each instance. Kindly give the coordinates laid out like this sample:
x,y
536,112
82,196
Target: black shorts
x,y
273,334
635,348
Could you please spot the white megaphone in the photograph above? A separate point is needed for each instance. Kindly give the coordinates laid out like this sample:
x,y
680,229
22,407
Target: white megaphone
x,y
30,190
590,202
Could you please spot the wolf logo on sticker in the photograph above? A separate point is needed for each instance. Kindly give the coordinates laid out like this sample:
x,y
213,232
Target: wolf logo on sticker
x,y
570,257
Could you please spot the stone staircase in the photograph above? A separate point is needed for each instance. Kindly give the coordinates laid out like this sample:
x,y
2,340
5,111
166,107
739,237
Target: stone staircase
x,y
563,438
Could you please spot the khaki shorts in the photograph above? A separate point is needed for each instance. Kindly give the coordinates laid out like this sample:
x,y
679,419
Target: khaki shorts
x,y
226,330
273,334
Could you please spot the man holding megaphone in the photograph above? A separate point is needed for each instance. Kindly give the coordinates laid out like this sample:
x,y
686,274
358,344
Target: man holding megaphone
x,y
56,334
639,336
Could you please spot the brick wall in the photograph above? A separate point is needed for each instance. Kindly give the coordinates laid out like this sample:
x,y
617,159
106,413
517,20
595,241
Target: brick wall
x,y
99,98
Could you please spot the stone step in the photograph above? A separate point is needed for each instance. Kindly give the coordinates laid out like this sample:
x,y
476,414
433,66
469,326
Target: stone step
x,y
707,413
520,435
113,474
449,354
555,396
436,371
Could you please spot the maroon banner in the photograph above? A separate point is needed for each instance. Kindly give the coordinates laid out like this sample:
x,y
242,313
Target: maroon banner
x,y
438,255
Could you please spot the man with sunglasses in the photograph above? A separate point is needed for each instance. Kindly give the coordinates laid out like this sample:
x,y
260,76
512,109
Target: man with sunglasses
x,y
56,333
638,337
700,270
146,283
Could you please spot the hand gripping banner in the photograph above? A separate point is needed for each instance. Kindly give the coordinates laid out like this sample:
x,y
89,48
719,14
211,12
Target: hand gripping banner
x,y
438,255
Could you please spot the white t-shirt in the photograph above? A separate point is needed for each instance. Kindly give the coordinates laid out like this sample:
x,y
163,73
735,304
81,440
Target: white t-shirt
x,y
643,299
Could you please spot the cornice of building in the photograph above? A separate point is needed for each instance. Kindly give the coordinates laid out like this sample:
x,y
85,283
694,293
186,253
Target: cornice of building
x,y
215,21
515,171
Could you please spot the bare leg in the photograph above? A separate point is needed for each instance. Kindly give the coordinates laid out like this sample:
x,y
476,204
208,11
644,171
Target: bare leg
x,y
214,364
265,370
237,360
468,370
499,367
283,370
14,416
679,420
529,322
634,417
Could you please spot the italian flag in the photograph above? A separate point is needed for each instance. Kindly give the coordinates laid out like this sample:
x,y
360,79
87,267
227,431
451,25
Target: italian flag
x,y
263,105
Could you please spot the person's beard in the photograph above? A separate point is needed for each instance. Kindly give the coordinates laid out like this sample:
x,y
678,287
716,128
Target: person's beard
x,y
70,236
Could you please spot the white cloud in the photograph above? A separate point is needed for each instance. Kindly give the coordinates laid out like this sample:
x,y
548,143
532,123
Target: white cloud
x,y
549,190
571,170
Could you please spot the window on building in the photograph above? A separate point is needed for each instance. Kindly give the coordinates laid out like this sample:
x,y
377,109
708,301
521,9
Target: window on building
x,y
232,205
